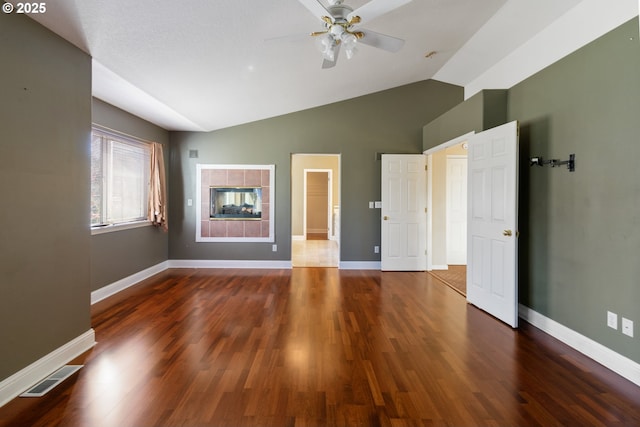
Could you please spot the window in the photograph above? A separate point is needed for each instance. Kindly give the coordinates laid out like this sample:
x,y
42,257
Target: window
x,y
120,169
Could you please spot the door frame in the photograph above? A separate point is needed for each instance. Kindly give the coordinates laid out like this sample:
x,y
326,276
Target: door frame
x,y
455,141
329,204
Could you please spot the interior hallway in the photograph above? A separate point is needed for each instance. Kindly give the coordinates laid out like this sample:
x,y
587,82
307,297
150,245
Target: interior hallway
x,y
315,253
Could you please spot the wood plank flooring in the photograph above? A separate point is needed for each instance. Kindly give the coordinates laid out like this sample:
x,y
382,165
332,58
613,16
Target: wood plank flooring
x,y
315,253
320,347
455,277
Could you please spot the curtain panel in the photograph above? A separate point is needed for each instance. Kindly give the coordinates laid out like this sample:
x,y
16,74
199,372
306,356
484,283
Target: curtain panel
x,y
157,212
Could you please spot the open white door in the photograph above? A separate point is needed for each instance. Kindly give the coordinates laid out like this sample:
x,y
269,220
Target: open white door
x,y
492,283
404,220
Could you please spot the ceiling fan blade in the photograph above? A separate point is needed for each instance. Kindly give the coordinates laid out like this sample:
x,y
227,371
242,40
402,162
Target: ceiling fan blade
x,y
330,64
381,41
370,11
316,8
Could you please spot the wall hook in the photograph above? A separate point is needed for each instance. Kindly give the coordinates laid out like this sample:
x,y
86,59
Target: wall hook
x,y
539,161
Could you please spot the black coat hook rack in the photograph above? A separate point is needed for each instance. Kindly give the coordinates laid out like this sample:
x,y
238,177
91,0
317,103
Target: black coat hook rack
x,y
539,161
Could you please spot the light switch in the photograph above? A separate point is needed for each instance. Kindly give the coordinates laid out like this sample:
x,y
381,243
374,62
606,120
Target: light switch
x,y
189,202
378,205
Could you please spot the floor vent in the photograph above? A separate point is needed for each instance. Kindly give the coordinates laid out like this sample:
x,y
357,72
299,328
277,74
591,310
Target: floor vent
x,y
44,386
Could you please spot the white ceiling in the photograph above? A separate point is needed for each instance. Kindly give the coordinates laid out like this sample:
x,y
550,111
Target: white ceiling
x,y
206,65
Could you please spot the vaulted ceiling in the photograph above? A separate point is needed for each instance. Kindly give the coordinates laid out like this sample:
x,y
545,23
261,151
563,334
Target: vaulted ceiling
x,y
206,65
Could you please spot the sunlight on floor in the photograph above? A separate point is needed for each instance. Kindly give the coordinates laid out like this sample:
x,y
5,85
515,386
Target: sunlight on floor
x,y
315,253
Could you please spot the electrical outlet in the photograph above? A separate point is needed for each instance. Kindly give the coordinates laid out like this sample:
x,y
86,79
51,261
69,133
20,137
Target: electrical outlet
x,y
612,320
274,248
376,249
627,327
370,205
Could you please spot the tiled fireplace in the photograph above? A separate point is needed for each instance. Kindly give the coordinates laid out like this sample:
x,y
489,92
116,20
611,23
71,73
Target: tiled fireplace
x,y
235,203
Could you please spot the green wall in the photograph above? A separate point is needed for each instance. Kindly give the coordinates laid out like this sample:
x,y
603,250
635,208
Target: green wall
x,y
390,121
482,111
119,254
579,241
581,230
45,125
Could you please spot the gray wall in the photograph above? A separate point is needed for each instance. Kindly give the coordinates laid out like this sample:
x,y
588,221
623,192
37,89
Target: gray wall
x,y
580,238
482,111
45,125
389,122
119,254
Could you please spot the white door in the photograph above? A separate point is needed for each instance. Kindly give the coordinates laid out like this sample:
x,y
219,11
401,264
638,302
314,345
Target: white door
x,y
492,221
456,210
404,220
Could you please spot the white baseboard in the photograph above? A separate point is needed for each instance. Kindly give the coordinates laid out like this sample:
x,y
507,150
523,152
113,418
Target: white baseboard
x,y
440,267
359,265
618,363
214,263
41,368
122,284
297,237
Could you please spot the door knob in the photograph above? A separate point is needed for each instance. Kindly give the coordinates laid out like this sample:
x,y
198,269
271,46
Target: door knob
x,y
385,218
506,233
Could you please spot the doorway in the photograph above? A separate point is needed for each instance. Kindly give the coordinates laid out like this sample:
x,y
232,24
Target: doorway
x,y
447,212
317,204
315,210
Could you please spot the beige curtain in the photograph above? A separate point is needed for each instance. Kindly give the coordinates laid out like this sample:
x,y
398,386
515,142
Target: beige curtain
x,y
157,211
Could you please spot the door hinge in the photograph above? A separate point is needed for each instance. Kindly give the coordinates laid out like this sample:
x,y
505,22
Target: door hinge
x,y
426,167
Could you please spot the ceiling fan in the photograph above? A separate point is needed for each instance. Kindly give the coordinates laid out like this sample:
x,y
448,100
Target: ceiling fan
x,y
341,27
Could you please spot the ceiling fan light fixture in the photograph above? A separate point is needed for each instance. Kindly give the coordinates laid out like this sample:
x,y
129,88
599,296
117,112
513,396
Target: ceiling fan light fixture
x,y
337,30
341,29
350,41
327,46
350,53
330,54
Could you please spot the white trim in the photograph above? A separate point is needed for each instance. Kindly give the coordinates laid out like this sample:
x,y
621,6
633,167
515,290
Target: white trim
x,y
298,237
440,267
429,153
450,143
360,265
119,227
122,284
232,263
618,363
41,368
429,236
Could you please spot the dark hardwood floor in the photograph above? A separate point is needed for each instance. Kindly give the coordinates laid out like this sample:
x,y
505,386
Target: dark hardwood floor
x,y
323,347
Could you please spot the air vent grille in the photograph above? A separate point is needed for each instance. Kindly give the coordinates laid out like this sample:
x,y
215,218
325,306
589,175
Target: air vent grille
x,y
44,386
